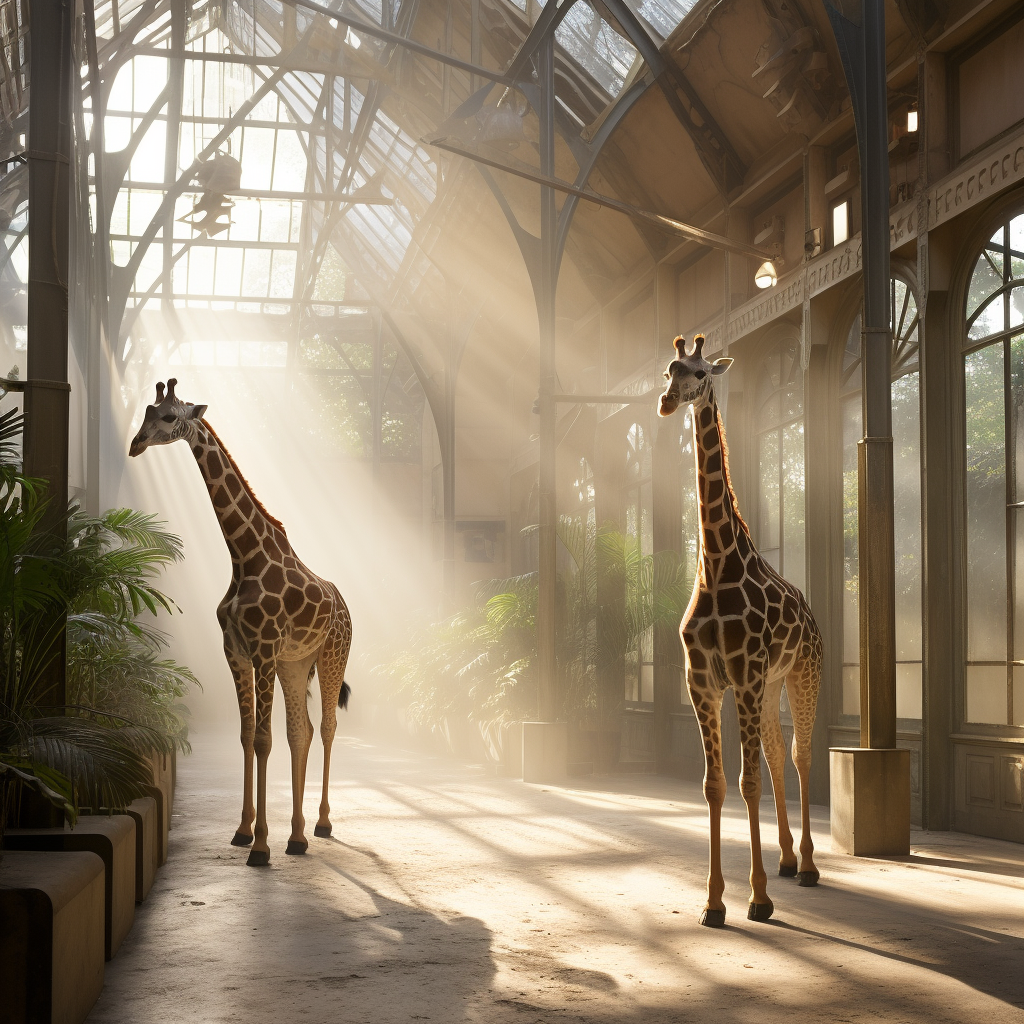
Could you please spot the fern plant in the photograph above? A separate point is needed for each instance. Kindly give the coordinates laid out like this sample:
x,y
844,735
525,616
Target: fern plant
x,y
482,662
88,596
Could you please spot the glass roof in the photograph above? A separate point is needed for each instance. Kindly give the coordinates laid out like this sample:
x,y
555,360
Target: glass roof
x,y
309,133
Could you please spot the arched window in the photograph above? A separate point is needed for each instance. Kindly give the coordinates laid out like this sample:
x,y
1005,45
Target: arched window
x,y
994,491
638,505
906,433
779,430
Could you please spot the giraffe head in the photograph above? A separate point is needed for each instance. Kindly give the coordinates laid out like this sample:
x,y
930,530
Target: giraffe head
x,y
167,420
690,377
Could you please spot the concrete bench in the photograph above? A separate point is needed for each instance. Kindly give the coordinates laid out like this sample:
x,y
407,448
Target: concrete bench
x,y
147,839
143,813
52,939
113,840
163,821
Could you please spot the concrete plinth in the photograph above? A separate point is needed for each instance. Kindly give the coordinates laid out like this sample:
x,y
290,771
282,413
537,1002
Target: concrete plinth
x,y
870,810
51,940
545,751
163,822
143,813
113,840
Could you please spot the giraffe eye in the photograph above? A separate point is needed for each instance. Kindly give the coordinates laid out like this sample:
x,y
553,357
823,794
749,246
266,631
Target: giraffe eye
x,y
168,419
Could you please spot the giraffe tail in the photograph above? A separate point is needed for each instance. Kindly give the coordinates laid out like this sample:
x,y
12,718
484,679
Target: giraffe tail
x,y
343,695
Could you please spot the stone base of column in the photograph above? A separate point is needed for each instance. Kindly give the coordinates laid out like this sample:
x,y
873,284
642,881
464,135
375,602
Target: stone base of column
x,y
870,810
545,751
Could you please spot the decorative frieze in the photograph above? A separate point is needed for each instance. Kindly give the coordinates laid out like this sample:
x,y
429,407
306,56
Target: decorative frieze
x,y
977,181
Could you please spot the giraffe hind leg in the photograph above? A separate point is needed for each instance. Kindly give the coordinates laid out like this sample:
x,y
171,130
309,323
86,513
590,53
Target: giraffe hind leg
x,y
774,746
802,685
334,693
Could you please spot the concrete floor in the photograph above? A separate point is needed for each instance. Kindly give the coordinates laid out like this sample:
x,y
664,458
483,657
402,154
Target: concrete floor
x,y
450,895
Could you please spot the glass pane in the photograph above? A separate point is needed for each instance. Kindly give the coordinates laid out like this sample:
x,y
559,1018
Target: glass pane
x,y
851,588
906,431
647,683
1017,247
793,503
768,496
987,278
986,694
991,320
1018,695
851,689
908,689
986,505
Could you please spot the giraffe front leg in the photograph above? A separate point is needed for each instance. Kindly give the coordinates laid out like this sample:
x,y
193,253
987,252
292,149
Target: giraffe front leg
x,y
264,671
241,671
748,708
707,704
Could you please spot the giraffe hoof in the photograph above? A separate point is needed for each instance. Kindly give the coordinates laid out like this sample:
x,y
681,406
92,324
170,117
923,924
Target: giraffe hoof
x,y
322,831
296,847
258,858
787,870
712,918
808,878
241,839
760,911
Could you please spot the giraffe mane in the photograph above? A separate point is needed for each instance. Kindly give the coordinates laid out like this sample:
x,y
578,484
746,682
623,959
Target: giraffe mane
x,y
727,474
245,483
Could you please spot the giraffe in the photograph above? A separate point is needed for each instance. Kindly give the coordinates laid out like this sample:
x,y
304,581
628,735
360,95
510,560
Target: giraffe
x,y
278,619
748,628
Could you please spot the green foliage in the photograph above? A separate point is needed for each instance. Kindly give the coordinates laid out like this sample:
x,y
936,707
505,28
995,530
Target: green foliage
x,y
482,662
92,596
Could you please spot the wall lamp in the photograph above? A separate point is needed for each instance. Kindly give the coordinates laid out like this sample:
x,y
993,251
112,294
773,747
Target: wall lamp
x,y
766,275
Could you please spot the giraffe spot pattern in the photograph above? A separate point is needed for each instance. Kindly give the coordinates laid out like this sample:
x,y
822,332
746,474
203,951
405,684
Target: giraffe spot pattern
x,y
747,628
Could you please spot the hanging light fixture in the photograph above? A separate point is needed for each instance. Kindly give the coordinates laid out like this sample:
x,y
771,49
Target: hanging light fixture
x,y
766,276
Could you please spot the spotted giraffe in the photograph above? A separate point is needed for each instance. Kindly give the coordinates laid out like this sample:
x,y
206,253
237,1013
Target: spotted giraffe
x,y
278,619
748,628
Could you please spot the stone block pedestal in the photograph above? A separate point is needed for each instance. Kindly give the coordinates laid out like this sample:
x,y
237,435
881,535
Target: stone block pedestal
x,y
870,810
52,936
545,751
143,813
112,839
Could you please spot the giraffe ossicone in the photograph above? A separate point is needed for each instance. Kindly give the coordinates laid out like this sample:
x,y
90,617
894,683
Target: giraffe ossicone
x,y
748,628
279,620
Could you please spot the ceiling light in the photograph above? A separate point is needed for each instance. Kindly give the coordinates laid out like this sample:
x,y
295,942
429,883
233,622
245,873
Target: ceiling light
x,y
766,276
912,119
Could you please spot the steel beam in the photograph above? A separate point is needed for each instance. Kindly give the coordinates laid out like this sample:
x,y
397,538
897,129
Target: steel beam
x,y
49,189
669,223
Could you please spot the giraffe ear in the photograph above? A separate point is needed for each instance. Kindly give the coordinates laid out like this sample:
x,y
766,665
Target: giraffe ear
x,y
721,365
198,412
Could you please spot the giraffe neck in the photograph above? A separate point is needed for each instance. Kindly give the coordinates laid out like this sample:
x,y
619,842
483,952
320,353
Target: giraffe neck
x,y
244,522
722,528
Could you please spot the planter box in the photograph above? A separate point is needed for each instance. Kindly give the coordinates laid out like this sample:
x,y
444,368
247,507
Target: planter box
x,y
113,840
163,778
52,939
163,822
143,813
